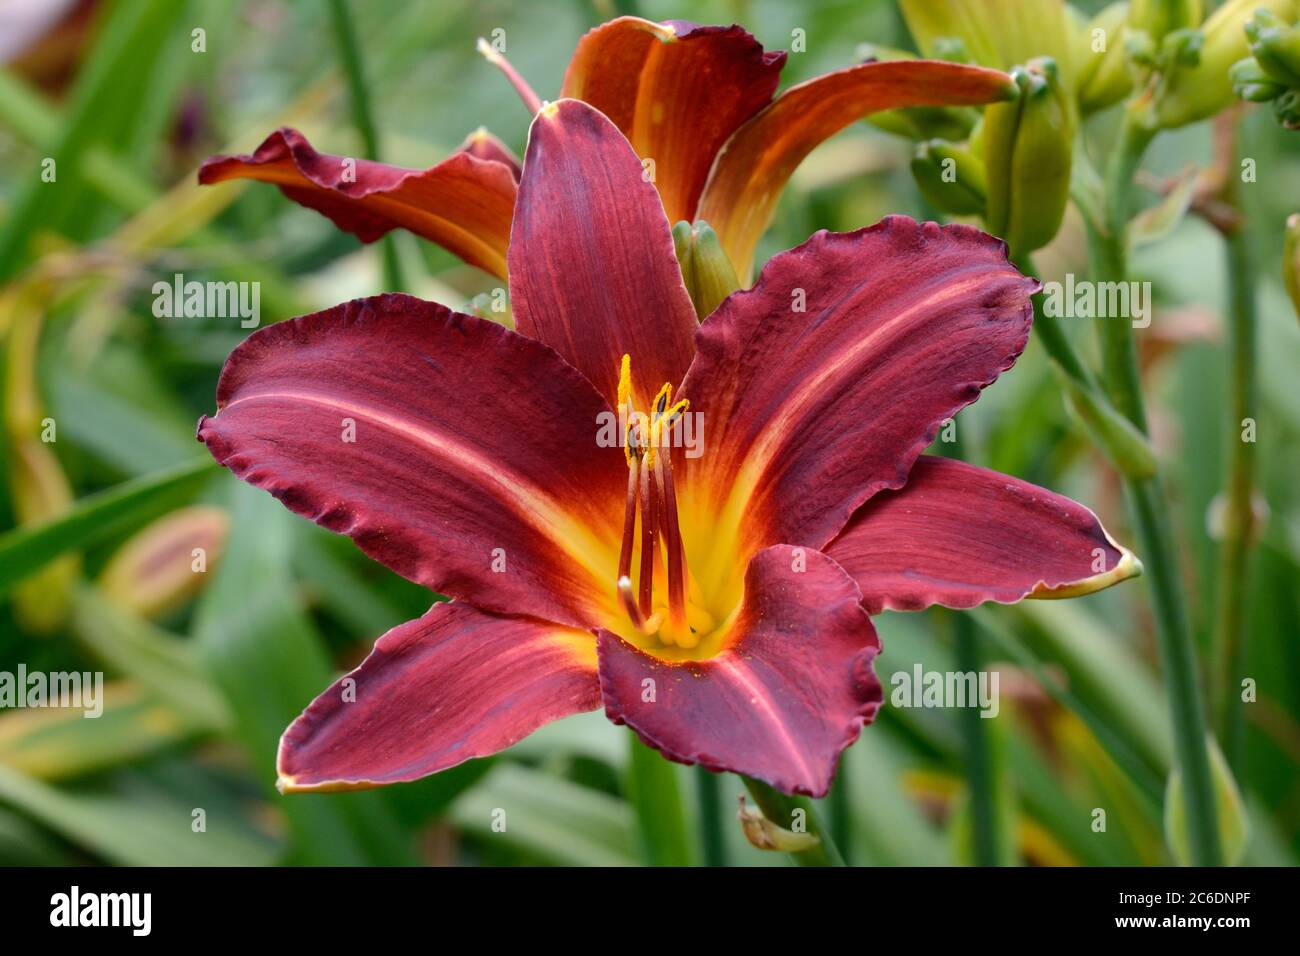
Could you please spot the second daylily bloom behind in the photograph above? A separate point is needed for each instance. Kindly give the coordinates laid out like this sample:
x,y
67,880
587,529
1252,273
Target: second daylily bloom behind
x,y
696,101
717,604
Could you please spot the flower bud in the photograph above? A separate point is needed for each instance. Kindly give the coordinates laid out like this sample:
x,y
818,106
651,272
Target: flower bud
x,y
1103,78
1234,825
1196,89
166,563
1251,83
766,835
707,272
1291,260
992,33
1275,45
1159,17
950,177
1027,145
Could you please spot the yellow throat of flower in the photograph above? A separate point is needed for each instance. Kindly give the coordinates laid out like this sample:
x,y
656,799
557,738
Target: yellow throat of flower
x,y
672,615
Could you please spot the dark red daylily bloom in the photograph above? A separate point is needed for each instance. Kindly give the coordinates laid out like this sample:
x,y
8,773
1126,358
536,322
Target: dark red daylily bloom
x,y
697,100
717,603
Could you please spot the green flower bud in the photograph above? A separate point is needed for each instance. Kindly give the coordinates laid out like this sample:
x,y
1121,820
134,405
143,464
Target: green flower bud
x,y
993,33
1234,825
1275,45
707,272
1028,144
1189,93
1250,82
165,564
950,177
1291,260
1103,77
1159,17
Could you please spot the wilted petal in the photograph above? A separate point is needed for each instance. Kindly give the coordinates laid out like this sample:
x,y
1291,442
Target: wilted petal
x,y
676,90
463,204
458,453
593,272
455,684
790,691
959,535
821,385
757,161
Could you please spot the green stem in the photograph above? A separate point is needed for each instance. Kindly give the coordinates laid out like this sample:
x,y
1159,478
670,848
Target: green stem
x,y
1234,553
978,749
708,789
784,811
345,35
657,801
1150,512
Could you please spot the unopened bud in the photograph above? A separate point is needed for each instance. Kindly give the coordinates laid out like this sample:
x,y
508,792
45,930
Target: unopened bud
x,y
766,835
1291,260
1195,88
707,272
1159,17
1028,144
951,177
166,563
1103,76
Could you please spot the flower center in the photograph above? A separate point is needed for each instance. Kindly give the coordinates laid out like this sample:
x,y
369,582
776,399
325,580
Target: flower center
x,y
672,615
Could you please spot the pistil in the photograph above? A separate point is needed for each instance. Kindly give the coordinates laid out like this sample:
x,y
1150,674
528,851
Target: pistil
x,y
531,100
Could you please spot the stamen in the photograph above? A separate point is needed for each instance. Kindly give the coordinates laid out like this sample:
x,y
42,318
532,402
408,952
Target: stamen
x,y
629,525
649,542
673,544
531,100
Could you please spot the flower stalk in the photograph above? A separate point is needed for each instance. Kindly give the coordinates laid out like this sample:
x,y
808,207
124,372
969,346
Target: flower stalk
x,y
1147,501
345,35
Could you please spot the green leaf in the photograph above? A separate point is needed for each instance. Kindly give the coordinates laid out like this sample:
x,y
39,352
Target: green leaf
x,y
134,829
270,663
124,507
558,821
653,791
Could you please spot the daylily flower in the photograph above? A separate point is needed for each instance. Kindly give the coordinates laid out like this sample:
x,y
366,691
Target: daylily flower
x,y
718,604
697,101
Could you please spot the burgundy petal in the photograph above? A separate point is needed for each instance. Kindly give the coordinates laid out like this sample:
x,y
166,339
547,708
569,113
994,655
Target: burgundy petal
x,y
455,684
676,90
789,692
483,145
464,203
460,454
593,272
809,413
959,535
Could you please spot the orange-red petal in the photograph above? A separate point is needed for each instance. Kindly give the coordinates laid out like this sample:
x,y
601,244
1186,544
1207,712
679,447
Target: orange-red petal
x,y
464,203
676,90
755,164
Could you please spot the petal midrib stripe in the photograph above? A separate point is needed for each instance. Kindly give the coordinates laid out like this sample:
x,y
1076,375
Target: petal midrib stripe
x,y
530,504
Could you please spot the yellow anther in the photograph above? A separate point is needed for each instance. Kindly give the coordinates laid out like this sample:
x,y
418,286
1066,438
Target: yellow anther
x,y
662,399
625,381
